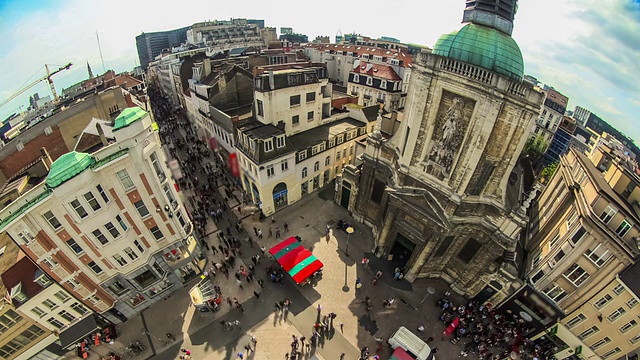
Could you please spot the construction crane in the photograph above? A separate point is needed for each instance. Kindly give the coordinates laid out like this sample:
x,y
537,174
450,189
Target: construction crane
x,y
56,99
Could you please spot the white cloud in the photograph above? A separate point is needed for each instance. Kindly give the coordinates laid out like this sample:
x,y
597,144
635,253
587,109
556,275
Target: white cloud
x,y
587,49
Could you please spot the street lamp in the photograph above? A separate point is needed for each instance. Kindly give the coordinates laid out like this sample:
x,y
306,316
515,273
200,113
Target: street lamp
x,y
349,232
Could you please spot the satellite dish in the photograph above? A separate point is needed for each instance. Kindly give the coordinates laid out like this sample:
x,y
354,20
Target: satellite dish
x,y
356,63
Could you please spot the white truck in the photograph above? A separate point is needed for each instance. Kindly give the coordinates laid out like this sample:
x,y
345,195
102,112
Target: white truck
x,y
411,343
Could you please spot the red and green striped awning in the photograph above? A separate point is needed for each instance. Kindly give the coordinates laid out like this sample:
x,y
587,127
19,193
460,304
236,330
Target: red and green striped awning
x,y
299,262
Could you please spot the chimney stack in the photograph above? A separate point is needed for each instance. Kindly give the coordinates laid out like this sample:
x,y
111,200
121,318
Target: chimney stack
x,y
103,138
272,85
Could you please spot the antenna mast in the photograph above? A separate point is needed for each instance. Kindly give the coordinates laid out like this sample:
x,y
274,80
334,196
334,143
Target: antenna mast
x,y
100,49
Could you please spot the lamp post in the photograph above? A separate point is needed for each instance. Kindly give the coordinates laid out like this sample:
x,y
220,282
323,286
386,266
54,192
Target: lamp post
x,y
349,232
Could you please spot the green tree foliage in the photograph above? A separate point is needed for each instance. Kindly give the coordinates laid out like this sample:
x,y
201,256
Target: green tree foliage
x,y
535,148
548,171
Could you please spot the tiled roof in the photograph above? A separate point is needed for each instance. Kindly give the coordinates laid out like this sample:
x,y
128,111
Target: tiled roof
x,y
128,116
631,278
68,166
375,70
22,272
406,59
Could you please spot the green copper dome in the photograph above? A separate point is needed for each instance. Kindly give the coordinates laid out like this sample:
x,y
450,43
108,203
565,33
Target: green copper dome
x,y
128,116
68,166
485,47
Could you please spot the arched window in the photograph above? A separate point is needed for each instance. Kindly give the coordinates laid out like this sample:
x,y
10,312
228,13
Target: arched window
x,y
327,161
316,166
304,172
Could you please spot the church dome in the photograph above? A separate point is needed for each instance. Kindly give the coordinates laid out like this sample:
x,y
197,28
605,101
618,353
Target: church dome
x,y
485,47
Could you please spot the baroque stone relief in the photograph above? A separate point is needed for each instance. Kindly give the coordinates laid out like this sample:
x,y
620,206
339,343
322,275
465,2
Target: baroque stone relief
x,y
452,120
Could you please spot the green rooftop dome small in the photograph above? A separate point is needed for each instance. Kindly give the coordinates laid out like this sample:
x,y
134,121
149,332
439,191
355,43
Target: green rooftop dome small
x,y
128,116
485,47
68,166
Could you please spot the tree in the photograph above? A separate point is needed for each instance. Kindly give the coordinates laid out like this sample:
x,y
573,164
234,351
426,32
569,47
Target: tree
x,y
548,172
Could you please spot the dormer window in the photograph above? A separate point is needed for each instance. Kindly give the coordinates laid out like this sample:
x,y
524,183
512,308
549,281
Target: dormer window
x,y
394,62
383,84
314,150
377,58
322,147
356,78
332,142
268,145
369,80
365,56
280,142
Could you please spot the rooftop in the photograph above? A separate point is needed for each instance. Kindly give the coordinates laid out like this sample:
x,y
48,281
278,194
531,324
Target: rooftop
x,y
375,70
406,60
22,272
128,116
322,133
68,166
10,254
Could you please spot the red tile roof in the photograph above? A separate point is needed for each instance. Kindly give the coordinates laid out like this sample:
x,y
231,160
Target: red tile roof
x,y
406,59
375,70
23,271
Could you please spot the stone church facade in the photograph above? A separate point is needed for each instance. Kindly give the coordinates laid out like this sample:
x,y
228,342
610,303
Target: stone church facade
x,y
443,194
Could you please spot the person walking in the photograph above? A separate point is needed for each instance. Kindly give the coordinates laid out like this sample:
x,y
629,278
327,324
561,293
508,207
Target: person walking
x,y
256,294
286,227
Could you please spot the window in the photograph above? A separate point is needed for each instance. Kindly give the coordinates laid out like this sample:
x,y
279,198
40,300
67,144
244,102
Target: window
x,y
302,155
100,236
280,142
118,287
607,214
294,100
469,250
576,275
572,219
442,249
125,179
356,78
327,161
590,331
49,304
139,246
556,259
51,219
628,326
598,255
66,315
120,260
79,308
378,191
321,147
180,218
598,344
270,171
577,236
623,228
314,150
632,303
316,166
576,320
50,262
123,224
383,84
369,80
536,259
616,314
619,289
610,353
284,166
268,145
94,267
38,312
539,275
603,301
74,246
158,269
340,139
554,240
130,253
156,233
311,96
77,206
555,292
304,172
142,209
338,155
295,119
156,166
112,230
72,283
93,203
332,142
63,296
146,278
260,108
310,116
55,322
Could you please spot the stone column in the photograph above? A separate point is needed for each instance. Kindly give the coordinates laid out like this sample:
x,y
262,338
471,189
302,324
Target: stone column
x,y
382,239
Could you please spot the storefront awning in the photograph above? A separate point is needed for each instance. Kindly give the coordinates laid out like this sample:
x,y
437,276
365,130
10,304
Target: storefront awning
x,y
297,261
78,331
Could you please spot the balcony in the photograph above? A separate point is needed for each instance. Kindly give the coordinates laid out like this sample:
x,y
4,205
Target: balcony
x,y
380,101
367,97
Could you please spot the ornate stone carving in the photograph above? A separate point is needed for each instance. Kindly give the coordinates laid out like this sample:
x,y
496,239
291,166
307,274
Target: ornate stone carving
x,y
451,124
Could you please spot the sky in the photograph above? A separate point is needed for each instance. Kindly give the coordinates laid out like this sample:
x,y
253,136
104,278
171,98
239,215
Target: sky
x,y
589,50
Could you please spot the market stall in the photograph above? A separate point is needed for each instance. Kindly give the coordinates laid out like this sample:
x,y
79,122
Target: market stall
x,y
297,261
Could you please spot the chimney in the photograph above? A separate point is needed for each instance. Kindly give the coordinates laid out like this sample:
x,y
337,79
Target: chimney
x,y
271,81
46,158
103,138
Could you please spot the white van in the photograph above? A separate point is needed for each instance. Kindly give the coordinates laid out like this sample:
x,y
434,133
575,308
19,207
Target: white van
x,y
411,343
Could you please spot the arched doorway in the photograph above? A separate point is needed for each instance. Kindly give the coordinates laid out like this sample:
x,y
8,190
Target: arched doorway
x,y
280,198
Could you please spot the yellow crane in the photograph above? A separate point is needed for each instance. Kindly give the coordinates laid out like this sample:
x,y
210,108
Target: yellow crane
x,y
56,99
